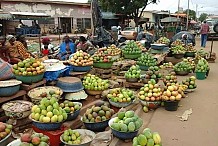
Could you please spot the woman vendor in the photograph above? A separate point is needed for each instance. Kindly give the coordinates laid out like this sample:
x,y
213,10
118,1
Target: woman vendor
x,y
66,49
4,54
17,51
84,45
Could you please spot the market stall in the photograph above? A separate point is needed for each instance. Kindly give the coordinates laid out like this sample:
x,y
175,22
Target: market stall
x,y
106,94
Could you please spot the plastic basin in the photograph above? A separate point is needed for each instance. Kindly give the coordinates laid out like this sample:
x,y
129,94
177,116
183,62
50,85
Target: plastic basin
x,y
81,68
132,56
96,127
201,75
104,65
171,105
30,79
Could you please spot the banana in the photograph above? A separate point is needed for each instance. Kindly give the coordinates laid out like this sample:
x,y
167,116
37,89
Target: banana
x,y
156,138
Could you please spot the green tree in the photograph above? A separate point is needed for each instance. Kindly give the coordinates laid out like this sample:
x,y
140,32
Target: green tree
x,y
192,14
132,8
203,17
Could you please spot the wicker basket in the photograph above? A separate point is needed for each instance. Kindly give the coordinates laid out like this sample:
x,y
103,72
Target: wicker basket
x,y
34,94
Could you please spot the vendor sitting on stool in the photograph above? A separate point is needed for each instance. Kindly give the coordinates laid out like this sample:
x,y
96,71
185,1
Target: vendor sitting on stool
x,y
186,40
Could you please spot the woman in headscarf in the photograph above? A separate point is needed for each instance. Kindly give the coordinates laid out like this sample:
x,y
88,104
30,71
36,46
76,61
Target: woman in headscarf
x,y
17,51
47,42
66,49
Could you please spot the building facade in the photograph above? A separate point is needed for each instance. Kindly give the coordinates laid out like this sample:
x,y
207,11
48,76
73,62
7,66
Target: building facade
x,y
66,15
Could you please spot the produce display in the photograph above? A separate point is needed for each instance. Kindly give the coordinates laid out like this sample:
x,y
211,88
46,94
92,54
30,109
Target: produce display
x,y
190,82
201,53
147,60
28,67
202,66
72,137
133,72
36,139
168,65
178,49
126,122
147,138
101,57
190,48
110,51
152,73
170,78
92,82
191,61
150,92
81,58
173,93
70,107
48,111
50,94
5,130
132,48
140,45
163,40
183,66
121,95
177,42
98,113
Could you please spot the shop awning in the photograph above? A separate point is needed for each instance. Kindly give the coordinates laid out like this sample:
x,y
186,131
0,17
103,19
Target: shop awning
x,y
29,15
5,16
170,19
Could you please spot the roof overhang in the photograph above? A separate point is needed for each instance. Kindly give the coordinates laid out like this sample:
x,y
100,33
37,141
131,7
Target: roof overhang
x,y
29,15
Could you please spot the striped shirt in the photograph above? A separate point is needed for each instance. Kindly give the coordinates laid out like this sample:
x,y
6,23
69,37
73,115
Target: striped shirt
x,y
18,50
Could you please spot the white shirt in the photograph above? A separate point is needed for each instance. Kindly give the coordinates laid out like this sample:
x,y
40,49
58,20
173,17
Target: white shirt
x,y
50,46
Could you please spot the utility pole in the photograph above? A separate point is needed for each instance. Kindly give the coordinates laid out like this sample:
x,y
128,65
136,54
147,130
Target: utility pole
x,y
196,12
178,12
187,16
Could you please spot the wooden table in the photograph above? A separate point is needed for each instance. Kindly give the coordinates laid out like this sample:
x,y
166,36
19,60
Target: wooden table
x,y
27,87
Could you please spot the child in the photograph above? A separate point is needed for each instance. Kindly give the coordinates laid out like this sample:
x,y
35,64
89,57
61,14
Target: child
x,y
45,51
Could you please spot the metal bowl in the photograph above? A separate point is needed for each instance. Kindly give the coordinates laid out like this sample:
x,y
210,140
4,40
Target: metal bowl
x,y
5,140
10,87
46,126
14,114
122,135
182,73
34,94
94,92
151,104
86,135
75,114
120,104
96,127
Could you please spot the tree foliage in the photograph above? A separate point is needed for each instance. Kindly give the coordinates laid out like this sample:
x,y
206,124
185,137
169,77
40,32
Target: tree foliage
x,y
203,17
132,8
192,14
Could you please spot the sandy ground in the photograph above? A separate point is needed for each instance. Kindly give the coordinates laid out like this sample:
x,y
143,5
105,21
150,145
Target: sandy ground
x,y
201,128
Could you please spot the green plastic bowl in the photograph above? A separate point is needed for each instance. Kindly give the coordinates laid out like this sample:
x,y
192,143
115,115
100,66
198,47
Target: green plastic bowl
x,y
132,56
104,65
30,79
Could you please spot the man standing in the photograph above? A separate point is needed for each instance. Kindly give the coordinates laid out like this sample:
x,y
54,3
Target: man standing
x,y
204,31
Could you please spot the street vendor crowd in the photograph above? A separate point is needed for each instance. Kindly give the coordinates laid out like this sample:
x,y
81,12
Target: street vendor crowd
x,y
14,49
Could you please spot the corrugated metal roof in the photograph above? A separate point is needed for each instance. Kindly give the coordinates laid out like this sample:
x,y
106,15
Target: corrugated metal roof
x,y
5,16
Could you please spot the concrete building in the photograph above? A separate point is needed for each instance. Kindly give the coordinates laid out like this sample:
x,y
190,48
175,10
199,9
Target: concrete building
x,y
68,15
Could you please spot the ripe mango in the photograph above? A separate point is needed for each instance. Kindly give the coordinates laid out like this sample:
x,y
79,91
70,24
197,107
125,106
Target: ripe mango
x,y
129,114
